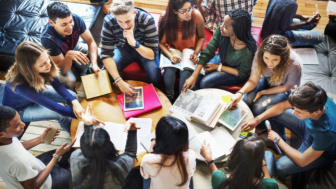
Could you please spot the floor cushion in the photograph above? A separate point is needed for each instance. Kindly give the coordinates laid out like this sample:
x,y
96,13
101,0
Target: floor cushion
x,y
23,20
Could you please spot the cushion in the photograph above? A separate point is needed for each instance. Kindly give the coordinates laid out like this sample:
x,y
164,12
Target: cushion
x,y
323,74
22,20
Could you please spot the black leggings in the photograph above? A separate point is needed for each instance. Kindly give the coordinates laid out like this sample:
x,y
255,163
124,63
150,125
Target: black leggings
x,y
60,174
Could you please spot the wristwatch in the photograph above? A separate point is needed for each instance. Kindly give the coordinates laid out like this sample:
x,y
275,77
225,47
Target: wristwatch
x,y
57,157
209,162
137,45
219,69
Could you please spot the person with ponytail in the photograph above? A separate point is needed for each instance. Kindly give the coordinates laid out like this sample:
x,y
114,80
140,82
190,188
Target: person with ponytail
x,y
276,70
97,164
246,168
26,90
170,164
232,64
188,33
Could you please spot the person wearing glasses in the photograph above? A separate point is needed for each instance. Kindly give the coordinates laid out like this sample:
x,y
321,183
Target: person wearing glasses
x,y
232,64
188,33
276,70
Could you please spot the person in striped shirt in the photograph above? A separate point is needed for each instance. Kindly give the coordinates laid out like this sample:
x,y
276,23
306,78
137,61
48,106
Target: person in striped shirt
x,y
129,34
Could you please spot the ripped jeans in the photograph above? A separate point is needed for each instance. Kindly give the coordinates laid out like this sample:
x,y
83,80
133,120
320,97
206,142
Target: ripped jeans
x,y
305,37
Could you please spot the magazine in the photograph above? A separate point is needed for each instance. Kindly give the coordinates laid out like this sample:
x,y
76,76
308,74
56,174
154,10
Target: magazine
x,y
185,63
135,102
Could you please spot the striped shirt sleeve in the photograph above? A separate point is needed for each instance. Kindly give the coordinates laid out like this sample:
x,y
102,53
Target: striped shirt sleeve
x,y
151,39
108,40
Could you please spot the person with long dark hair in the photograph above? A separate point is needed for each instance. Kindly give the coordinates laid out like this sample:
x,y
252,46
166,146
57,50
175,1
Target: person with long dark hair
x,y
246,166
170,164
188,33
232,64
276,70
97,164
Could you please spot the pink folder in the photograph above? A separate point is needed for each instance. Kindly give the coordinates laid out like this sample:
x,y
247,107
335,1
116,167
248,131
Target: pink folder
x,y
151,102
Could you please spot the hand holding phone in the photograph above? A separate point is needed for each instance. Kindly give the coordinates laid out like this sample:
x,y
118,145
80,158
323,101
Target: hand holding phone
x,y
51,133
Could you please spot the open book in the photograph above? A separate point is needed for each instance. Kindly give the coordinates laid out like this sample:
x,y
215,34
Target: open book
x,y
204,109
94,87
220,140
146,141
117,134
185,63
308,55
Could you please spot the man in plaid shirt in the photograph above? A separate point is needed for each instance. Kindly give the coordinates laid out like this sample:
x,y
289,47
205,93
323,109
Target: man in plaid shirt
x,y
215,10
129,34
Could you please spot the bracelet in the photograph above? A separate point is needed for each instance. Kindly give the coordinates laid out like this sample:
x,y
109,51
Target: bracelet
x,y
219,69
57,157
240,92
257,118
117,80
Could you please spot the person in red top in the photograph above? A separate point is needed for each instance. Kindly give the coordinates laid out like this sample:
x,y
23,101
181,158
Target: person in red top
x,y
188,33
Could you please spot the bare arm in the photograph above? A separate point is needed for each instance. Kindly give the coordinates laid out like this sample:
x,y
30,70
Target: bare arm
x,y
301,159
200,32
32,143
63,63
93,50
275,110
230,70
146,52
314,19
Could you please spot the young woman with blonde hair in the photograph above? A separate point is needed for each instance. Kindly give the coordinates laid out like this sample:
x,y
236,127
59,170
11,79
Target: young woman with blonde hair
x,y
26,90
275,71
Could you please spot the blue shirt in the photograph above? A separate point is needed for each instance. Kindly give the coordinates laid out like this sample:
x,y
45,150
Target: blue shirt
x,y
279,15
23,93
324,131
113,35
56,43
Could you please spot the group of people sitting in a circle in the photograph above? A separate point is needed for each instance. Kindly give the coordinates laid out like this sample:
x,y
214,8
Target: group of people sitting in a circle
x,y
41,86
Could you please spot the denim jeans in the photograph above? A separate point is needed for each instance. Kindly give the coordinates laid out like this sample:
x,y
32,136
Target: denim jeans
x,y
169,77
284,167
215,78
36,112
147,183
304,36
264,101
69,79
269,159
124,56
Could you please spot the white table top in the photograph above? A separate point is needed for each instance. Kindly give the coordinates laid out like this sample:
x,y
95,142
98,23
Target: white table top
x,y
195,145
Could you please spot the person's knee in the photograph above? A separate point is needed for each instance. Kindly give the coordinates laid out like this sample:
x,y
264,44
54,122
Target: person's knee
x,y
282,167
204,83
258,108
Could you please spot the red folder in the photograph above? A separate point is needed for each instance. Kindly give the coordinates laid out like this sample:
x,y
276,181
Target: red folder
x,y
151,102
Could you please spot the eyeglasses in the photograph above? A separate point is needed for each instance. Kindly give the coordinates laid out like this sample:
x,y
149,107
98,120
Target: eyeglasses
x,y
184,13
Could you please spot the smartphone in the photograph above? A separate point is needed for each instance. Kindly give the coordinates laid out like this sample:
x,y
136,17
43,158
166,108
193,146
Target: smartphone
x,y
50,135
268,125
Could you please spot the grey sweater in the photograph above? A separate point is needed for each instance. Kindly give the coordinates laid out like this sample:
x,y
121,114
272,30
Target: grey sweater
x,y
77,161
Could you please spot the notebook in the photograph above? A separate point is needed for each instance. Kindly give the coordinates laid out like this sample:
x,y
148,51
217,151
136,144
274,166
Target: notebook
x,y
94,87
151,102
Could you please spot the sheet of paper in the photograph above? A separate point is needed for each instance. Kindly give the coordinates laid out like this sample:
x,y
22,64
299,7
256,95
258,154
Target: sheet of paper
x,y
217,150
224,138
186,62
103,81
146,126
146,141
308,55
331,6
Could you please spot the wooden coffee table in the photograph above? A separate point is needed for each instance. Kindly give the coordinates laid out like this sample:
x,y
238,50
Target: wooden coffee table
x,y
107,109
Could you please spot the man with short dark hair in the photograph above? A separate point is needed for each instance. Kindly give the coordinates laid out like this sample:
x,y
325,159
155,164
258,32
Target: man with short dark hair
x,y
60,36
310,114
129,34
19,168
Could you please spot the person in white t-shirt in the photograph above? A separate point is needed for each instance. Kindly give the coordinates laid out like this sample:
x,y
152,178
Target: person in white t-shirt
x,y
170,163
19,168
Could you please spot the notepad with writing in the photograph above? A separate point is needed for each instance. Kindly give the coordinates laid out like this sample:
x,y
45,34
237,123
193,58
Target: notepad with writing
x,y
94,87
151,102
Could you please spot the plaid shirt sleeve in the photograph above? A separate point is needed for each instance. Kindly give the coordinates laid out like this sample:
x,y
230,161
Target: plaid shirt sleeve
x,y
151,39
108,40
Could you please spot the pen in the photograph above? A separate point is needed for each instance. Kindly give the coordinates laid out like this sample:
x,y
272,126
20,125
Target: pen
x,y
316,8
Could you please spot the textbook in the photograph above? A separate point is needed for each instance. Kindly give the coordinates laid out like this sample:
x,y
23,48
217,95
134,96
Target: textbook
x,y
117,134
151,101
204,109
220,140
146,141
231,118
94,87
185,63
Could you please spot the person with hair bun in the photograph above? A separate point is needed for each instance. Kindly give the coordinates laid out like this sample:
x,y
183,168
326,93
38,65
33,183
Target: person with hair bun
x,y
276,70
310,115
188,33
232,64
246,163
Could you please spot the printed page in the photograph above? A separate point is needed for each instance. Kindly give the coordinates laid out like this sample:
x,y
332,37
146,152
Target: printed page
x,y
165,62
191,130
331,6
187,103
186,62
308,55
232,118
207,108
146,126
91,87
217,150
104,82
